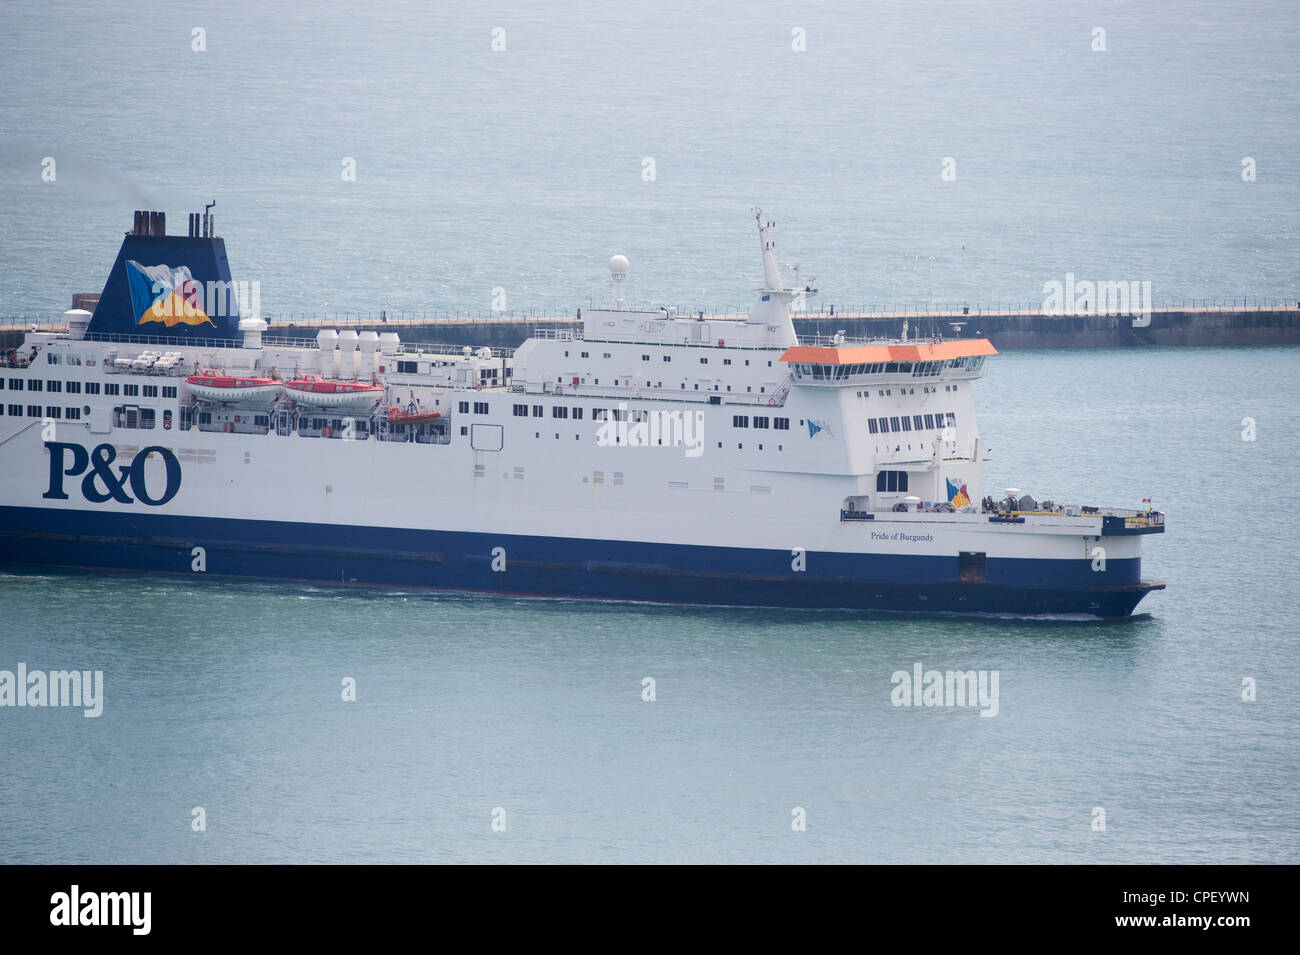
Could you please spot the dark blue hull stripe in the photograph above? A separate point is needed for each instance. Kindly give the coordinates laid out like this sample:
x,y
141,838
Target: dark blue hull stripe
x,y
560,566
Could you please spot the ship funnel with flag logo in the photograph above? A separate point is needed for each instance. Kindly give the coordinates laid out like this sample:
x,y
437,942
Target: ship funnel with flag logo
x,y
172,286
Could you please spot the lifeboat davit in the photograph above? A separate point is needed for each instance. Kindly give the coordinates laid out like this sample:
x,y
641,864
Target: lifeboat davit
x,y
213,386
312,391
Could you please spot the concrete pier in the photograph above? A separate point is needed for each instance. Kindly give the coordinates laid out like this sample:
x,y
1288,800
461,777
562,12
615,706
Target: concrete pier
x,y
1008,330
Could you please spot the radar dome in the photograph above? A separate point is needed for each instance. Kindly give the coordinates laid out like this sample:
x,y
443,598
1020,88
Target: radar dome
x,y
618,265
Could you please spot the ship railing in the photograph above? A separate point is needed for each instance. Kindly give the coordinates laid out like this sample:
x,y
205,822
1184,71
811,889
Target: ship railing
x,y
409,350
832,341
1134,518
856,515
1130,516
163,340
556,334
774,399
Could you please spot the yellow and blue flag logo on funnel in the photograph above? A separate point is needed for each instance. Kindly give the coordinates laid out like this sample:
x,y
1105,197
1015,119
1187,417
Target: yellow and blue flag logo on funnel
x,y
957,495
160,293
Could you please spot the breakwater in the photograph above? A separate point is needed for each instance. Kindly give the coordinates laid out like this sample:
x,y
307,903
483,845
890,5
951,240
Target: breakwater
x,y
1008,330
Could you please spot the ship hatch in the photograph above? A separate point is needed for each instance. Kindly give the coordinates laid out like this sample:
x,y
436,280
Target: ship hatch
x,y
971,566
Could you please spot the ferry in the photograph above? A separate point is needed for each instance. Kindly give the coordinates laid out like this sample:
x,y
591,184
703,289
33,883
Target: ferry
x,y
647,456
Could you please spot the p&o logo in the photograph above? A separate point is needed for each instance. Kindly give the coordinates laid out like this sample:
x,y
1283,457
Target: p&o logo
x,y
100,483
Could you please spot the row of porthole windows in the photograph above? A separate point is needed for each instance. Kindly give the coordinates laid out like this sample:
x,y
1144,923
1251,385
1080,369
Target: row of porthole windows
x,y
627,383
929,422
646,357
50,411
760,421
55,386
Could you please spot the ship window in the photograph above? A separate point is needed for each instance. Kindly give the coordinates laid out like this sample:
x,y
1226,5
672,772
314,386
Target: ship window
x,y
952,419
871,426
33,411
929,421
907,423
112,388
151,391
577,414
704,361
726,361
740,421
464,431
916,422
480,407
72,387
620,414
668,357
15,384
169,391
132,391
781,424
537,411
521,411
73,413
893,425
891,481
559,411
599,414
53,412
408,367
586,354
34,385
645,357
760,421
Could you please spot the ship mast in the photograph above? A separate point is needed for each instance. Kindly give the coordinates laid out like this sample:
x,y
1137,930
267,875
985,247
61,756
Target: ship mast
x,y
771,271
773,305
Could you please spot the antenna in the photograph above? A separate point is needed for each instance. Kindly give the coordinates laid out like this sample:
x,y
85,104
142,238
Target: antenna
x,y
618,265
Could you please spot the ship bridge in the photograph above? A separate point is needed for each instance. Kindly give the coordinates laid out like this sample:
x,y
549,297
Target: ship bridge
x,y
842,364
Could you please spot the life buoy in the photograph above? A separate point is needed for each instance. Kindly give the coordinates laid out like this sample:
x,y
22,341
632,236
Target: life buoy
x,y
771,402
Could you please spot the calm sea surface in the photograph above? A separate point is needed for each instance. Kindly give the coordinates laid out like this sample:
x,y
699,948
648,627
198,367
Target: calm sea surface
x,y
227,695
524,170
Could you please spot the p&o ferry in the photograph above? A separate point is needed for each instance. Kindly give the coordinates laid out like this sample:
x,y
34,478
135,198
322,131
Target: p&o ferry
x,y
648,456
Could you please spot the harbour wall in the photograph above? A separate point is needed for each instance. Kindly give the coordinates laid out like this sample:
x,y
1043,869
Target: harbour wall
x,y
1008,331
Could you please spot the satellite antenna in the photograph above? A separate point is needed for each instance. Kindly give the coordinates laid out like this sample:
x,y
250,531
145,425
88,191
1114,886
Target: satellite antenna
x,y
618,272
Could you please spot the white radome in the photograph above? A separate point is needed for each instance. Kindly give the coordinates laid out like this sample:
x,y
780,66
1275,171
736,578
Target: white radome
x,y
618,265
